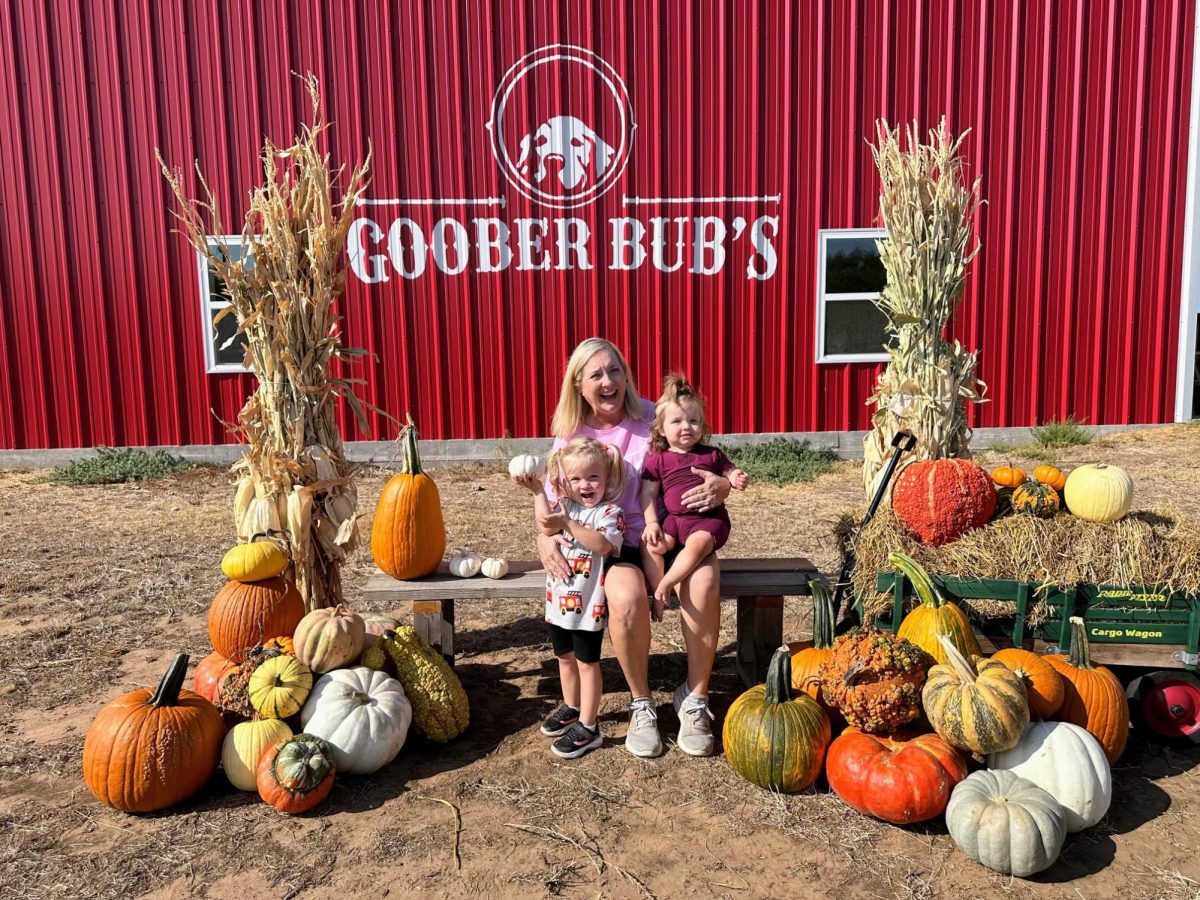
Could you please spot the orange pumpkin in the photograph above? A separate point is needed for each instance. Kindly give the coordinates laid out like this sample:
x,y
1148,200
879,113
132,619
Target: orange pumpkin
x,y
283,644
807,656
1093,696
296,774
408,536
1008,476
207,678
150,749
1043,685
244,614
1052,476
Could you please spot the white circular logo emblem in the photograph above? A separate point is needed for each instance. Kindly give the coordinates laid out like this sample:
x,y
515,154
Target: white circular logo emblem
x,y
561,126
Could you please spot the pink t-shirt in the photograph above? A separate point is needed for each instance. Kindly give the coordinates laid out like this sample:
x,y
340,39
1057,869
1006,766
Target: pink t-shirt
x,y
632,438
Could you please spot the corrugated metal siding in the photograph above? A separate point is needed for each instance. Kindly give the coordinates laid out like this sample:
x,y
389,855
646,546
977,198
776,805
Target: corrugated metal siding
x,y
1079,130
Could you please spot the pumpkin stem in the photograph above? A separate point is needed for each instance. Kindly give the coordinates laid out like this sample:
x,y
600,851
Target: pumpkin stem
x,y
779,677
921,582
822,615
412,458
167,692
964,669
1081,653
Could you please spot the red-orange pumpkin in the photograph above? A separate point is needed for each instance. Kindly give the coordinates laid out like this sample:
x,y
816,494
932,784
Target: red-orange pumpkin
x,y
296,774
408,535
1093,696
150,749
243,615
939,500
206,680
898,778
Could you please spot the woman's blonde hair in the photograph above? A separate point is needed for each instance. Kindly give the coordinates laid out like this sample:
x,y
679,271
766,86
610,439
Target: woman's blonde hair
x,y
676,389
570,412
607,455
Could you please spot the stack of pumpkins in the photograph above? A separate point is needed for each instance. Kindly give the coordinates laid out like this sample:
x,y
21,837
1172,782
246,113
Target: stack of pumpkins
x,y
917,710
285,701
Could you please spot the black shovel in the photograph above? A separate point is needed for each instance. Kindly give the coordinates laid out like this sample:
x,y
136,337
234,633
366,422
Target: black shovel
x,y
903,442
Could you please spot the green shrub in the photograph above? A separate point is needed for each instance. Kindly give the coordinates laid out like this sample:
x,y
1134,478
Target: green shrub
x,y
114,466
782,461
1065,433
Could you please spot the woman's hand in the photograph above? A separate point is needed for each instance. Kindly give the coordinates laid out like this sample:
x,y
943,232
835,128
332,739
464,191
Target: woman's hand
x,y
551,556
709,495
531,483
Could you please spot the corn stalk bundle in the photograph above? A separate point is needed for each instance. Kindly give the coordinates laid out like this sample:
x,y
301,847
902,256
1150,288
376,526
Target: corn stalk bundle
x,y
294,478
927,211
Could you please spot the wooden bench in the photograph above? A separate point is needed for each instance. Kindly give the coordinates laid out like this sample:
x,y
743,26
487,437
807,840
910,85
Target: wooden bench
x,y
758,585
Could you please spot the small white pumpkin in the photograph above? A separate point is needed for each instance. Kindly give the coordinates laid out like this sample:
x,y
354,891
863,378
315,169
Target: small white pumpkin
x,y
1006,823
524,465
362,714
1066,762
1099,492
495,567
244,746
465,563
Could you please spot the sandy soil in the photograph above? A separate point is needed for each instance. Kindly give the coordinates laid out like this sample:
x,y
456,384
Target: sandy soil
x,y
103,585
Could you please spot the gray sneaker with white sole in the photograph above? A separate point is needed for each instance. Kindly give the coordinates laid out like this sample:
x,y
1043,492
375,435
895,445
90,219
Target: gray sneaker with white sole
x,y
695,723
643,738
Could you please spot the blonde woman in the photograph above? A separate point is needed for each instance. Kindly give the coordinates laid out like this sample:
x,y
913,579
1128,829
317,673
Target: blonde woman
x,y
598,400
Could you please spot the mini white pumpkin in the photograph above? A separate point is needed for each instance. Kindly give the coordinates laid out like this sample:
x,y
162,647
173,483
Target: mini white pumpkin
x,y
524,465
362,714
465,564
1066,762
1006,823
495,567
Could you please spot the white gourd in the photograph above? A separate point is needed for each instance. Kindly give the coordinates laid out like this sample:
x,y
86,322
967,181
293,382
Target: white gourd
x,y
465,564
524,465
495,567
1068,763
362,714
1006,823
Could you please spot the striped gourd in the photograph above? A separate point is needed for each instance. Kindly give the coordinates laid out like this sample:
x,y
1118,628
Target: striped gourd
x,y
981,708
935,616
773,740
1036,499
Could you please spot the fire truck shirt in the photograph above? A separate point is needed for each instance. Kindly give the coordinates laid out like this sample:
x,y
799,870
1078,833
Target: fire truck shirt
x,y
578,603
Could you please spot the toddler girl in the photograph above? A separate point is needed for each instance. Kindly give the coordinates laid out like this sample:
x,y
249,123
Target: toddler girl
x,y
677,453
587,477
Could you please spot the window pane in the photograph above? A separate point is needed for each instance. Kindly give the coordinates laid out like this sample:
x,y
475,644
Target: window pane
x,y
854,326
235,352
852,266
216,286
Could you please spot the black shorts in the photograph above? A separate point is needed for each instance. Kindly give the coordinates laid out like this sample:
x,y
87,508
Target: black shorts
x,y
630,553
584,644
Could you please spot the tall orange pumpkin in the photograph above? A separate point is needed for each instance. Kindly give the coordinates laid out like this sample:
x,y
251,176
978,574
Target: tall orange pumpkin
x,y
408,536
1093,696
807,656
150,749
244,614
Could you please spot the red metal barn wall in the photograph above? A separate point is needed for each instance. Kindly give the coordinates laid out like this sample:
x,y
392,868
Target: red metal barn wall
x,y
1078,112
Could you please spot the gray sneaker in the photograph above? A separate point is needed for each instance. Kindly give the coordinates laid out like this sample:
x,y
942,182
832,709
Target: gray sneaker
x,y
643,738
695,726
681,694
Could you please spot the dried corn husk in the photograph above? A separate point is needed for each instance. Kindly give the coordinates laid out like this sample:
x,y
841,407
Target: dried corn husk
x,y
294,472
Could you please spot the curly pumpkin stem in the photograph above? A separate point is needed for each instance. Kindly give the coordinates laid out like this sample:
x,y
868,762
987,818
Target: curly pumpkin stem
x,y
167,692
964,668
822,615
1081,653
921,582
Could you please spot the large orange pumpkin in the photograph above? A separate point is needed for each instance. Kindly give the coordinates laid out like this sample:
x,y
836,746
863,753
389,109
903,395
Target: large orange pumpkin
x,y
1043,685
408,536
1093,696
244,614
150,749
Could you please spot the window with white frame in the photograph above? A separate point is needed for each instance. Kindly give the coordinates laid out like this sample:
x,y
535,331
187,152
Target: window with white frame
x,y
850,275
224,348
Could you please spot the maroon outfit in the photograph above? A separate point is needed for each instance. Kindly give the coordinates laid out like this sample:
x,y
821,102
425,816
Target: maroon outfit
x,y
674,471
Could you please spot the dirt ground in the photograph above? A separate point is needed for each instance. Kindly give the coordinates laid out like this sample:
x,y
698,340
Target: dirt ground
x,y
103,585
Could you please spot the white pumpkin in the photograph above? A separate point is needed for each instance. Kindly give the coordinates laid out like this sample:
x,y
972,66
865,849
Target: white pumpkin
x,y
465,564
1099,492
524,465
245,744
1006,823
1066,762
495,567
362,714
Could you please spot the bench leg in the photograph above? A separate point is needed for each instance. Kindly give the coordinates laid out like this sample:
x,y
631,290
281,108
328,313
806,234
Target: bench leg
x,y
434,621
759,635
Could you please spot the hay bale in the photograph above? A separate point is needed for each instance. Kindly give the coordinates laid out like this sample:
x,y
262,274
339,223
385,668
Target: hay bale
x,y
1157,548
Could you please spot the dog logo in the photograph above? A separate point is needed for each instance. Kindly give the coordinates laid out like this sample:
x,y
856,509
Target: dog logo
x,y
561,126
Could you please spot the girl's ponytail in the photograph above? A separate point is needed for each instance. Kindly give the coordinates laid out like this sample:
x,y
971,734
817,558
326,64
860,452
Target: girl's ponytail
x,y
554,472
616,472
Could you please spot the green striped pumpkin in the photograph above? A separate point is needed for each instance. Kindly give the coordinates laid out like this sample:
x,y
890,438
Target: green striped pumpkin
x,y
772,739
982,708
935,616
1036,499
